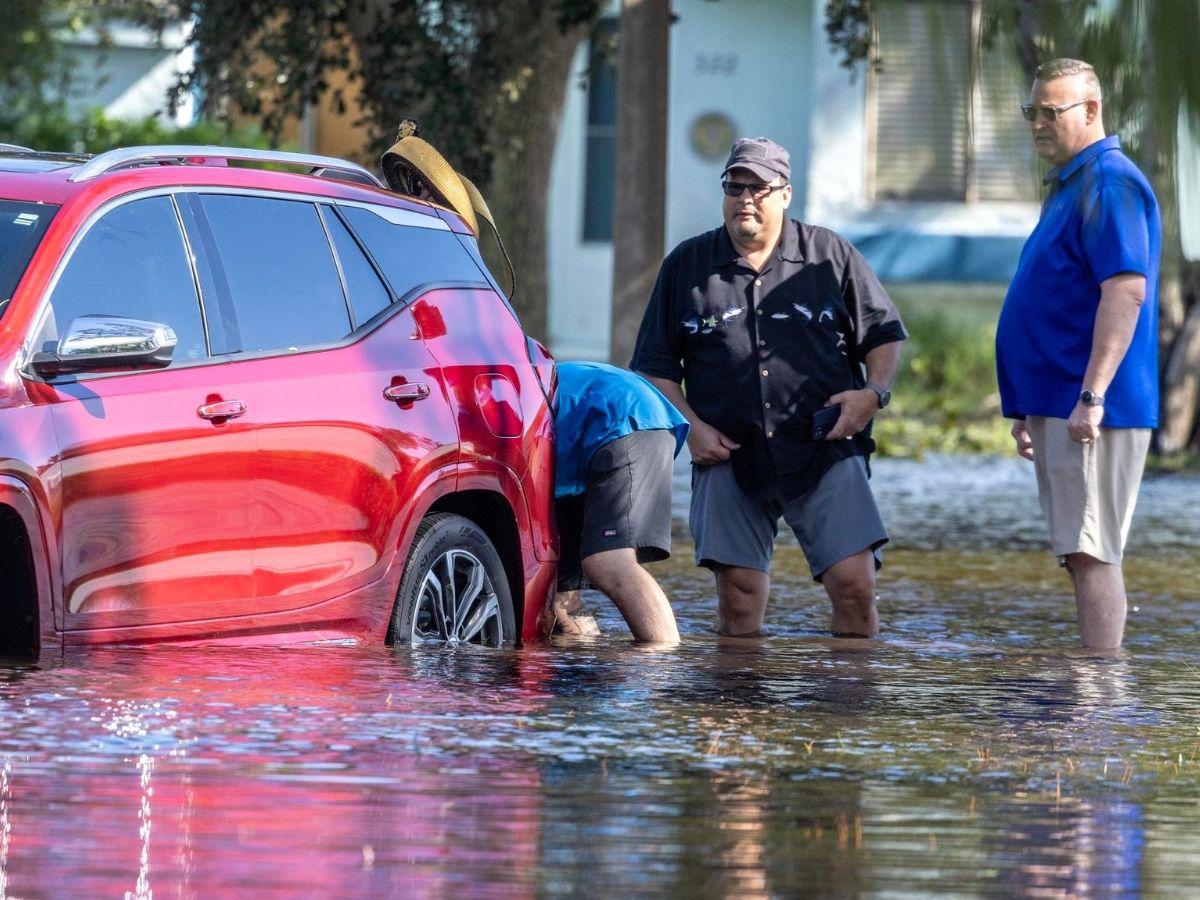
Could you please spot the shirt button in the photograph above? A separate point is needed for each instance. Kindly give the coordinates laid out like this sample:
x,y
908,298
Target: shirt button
x,y
767,404
762,343
770,434
758,282
760,312
764,373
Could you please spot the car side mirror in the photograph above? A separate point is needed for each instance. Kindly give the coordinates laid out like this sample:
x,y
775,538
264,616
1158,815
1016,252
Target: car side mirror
x,y
105,344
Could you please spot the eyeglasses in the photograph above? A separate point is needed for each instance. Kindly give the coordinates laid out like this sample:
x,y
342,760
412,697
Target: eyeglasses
x,y
758,191
1049,113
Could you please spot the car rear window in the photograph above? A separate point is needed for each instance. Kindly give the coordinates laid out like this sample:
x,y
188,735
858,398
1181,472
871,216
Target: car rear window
x,y
22,225
412,257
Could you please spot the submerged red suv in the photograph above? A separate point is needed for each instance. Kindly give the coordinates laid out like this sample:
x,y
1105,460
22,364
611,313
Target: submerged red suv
x,y
248,404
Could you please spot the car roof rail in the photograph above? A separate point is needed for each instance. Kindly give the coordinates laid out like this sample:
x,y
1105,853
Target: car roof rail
x,y
127,157
14,148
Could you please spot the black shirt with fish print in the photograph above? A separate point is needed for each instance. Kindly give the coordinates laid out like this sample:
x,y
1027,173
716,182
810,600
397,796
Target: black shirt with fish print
x,y
759,352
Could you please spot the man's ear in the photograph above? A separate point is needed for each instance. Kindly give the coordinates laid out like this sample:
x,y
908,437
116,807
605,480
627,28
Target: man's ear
x,y
1093,111
787,196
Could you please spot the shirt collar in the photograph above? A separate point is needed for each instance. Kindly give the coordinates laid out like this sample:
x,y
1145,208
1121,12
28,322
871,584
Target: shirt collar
x,y
723,251
789,247
1084,156
725,254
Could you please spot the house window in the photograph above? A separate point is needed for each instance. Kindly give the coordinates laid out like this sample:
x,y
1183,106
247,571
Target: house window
x,y
943,109
601,139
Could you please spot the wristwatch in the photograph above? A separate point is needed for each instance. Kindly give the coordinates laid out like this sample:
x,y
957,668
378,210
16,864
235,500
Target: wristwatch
x,y
884,395
1090,398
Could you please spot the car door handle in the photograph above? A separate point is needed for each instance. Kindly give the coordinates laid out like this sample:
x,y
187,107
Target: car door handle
x,y
406,393
225,409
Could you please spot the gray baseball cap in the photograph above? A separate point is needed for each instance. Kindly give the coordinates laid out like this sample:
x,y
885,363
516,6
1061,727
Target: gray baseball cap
x,y
762,156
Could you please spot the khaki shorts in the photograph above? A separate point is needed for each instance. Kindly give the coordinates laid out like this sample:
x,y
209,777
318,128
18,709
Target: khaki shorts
x,y
1088,491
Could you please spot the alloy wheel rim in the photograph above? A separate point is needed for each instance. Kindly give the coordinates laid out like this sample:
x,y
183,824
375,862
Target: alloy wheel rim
x,y
457,604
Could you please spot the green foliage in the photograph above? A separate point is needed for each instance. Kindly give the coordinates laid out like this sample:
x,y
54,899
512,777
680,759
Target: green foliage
x,y
848,26
96,132
1143,52
458,66
33,70
945,396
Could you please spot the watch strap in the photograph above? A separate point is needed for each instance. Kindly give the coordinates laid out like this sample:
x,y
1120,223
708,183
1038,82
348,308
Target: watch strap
x,y
880,392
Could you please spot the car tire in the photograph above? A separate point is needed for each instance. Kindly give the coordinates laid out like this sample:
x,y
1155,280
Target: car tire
x,y
454,589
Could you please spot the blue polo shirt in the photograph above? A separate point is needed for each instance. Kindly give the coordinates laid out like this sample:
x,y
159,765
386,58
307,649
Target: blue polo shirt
x,y
1100,219
596,404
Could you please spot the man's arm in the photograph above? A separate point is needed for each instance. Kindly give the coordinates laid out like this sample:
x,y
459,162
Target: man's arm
x,y
1121,299
859,406
706,444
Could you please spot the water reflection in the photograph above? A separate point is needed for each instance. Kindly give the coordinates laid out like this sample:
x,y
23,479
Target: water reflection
x,y
972,750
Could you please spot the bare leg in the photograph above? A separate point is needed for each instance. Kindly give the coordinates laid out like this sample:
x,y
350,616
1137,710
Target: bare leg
x,y
742,600
635,593
850,584
1099,601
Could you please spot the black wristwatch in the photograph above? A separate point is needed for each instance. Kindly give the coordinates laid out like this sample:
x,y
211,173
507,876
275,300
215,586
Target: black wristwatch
x,y
1090,398
884,395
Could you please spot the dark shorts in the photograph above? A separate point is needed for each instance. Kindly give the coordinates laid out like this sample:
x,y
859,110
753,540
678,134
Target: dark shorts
x,y
835,520
626,504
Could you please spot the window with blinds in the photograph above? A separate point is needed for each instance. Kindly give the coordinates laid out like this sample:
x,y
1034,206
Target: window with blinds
x,y
944,113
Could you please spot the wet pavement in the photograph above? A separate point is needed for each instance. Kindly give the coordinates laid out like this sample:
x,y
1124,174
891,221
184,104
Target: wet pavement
x,y
972,750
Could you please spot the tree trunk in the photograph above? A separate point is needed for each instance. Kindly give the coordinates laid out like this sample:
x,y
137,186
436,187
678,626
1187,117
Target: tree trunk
x,y
519,191
1181,377
639,212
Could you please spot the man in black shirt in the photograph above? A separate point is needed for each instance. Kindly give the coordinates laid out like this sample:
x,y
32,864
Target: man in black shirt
x,y
765,322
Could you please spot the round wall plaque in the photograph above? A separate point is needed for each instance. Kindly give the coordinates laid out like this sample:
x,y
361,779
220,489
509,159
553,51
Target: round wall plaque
x,y
712,135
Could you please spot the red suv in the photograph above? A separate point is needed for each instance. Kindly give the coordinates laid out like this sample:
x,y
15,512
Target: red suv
x,y
237,403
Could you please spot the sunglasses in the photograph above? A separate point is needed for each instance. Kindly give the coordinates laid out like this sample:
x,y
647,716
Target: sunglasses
x,y
757,191
1049,113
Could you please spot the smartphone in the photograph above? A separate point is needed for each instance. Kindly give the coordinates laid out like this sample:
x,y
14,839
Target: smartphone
x,y
823,421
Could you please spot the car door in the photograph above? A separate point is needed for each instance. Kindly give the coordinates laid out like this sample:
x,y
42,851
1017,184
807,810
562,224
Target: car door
x,y
503,420
155,480
350,421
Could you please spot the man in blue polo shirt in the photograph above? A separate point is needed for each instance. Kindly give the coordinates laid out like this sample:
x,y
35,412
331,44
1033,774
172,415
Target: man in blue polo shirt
x,y
616,438
1076,345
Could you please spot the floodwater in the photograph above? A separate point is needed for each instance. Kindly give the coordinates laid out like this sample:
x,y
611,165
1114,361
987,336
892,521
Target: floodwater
x,y
972,750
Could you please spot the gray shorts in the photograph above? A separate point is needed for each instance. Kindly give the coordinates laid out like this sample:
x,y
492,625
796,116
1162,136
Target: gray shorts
x,y
835,520
626,503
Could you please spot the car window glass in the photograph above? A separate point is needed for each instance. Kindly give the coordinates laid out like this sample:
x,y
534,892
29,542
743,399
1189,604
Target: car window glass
x,y
278,270
22,225
131,263
368,295
411,257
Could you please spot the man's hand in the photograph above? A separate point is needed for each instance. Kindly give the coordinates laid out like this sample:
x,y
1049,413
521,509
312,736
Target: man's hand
x,y
857,409
1020,434
1084,424
708,446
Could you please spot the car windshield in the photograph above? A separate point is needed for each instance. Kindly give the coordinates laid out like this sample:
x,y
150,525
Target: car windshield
x,y
22,225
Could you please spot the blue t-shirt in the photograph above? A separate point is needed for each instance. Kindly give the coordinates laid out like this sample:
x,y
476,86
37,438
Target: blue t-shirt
x,y
1099,220
596,404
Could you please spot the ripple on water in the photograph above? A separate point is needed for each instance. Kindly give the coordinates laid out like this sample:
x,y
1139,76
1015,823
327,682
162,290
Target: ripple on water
x,y
971,750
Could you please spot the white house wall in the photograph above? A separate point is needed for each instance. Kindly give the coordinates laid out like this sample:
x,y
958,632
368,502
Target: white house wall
x,y
579,273
129,78
747,61
764,67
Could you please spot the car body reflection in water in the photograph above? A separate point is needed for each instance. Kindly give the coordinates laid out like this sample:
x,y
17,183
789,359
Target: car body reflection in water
x,y
972,750
196,772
